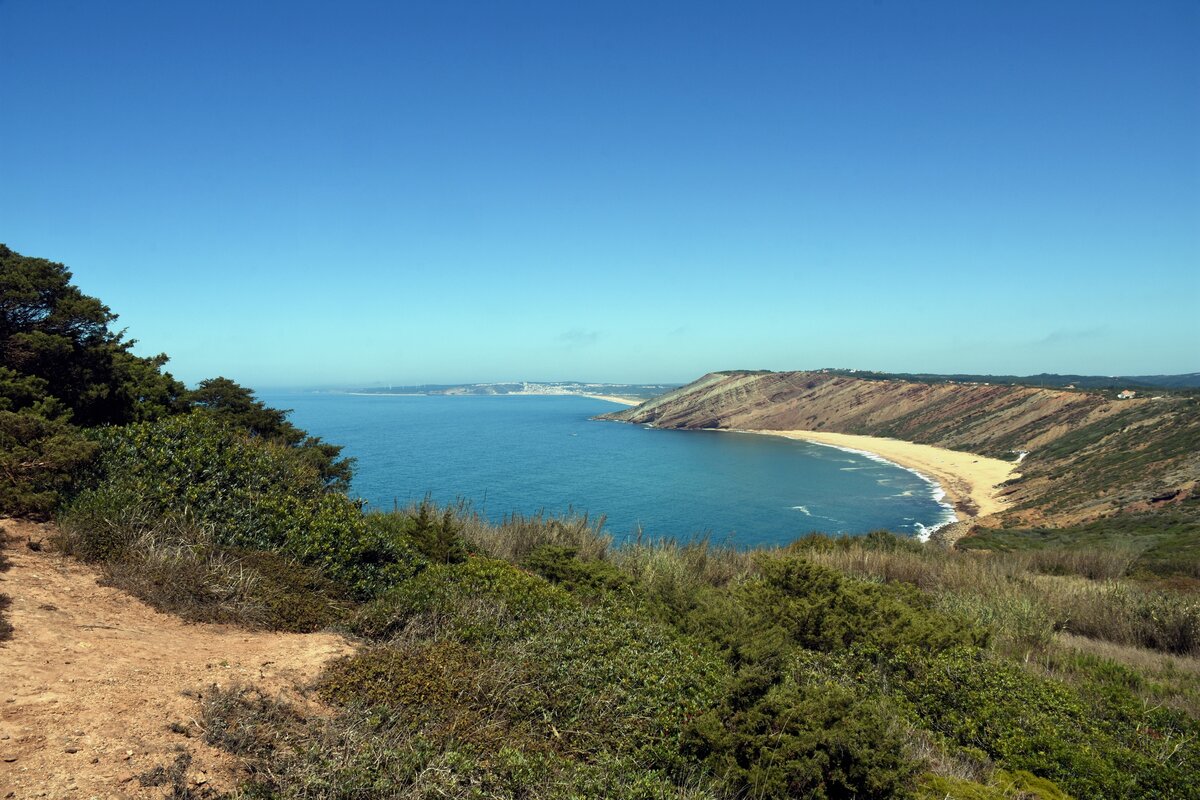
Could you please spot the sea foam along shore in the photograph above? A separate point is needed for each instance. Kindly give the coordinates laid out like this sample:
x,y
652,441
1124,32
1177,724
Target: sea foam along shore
x,y
968,481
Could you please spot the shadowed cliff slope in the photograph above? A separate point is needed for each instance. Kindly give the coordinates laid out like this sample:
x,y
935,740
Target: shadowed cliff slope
x,y
1088,455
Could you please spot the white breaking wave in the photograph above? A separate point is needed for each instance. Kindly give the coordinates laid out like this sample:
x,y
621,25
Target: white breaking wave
x,y
937,493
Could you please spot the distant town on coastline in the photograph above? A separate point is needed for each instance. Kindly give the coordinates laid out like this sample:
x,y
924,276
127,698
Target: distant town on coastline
x,y
1126,385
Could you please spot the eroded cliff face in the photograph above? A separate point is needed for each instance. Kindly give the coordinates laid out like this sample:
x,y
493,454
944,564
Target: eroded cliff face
x,y
1088,455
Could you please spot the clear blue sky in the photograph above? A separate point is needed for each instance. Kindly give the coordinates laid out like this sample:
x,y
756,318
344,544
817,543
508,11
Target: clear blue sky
x,y
352,193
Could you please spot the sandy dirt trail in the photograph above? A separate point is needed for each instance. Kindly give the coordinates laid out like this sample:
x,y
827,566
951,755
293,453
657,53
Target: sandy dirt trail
x,y
93,679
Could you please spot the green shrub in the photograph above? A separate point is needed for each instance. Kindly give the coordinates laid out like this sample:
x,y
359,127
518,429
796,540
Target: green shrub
x,y
292,597
1034,724
246,489
598,679
250,493
359,753
39,456
436,536
811,741
608,680
562,566
479,599
332,534
821,609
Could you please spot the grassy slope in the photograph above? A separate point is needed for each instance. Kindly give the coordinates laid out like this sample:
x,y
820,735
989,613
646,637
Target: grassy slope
x,y
1165,543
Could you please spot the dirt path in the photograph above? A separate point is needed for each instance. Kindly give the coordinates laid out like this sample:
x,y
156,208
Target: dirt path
x,y
91,681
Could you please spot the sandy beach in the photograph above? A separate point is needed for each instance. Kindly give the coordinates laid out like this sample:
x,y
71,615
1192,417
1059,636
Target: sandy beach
x,y
612,398
968,480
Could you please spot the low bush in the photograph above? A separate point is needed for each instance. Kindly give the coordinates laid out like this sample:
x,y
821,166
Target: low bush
x,y
593,678
477,600
816,741
291,596
248,493
359,753
820,609
1004,592
1034,724
1165,542
355,551
444,690
561,565
6,628
608,680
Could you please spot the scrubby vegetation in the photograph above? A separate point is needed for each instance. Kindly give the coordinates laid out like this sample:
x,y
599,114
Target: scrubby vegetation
x,y
535,658
833,668
1165,543
5,600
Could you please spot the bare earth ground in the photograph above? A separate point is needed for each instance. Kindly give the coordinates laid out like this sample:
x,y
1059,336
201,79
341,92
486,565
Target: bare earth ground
x,y
92,680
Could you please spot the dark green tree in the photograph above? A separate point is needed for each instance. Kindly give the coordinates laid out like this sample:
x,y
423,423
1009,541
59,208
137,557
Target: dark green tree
x,y
236,405
436,536
52,331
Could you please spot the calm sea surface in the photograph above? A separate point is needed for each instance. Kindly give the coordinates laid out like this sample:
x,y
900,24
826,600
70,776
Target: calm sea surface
x,y
506,454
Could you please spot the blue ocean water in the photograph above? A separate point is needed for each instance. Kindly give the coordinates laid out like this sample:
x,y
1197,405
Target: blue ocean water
x,y
527,453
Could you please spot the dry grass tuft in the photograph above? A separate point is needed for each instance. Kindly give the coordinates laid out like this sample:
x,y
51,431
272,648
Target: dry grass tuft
x,y
175,565
519,535
1025,598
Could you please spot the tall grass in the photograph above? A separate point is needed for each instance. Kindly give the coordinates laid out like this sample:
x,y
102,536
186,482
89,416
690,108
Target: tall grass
x,y
1026,597
654,561
1126,614
689,562
518,535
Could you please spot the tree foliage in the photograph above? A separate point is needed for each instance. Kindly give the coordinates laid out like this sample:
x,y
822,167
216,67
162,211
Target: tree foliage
x,y
52,331
252,493
64,368
236,405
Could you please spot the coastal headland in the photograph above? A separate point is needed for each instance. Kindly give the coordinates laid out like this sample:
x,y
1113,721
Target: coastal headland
x,y
1083,454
